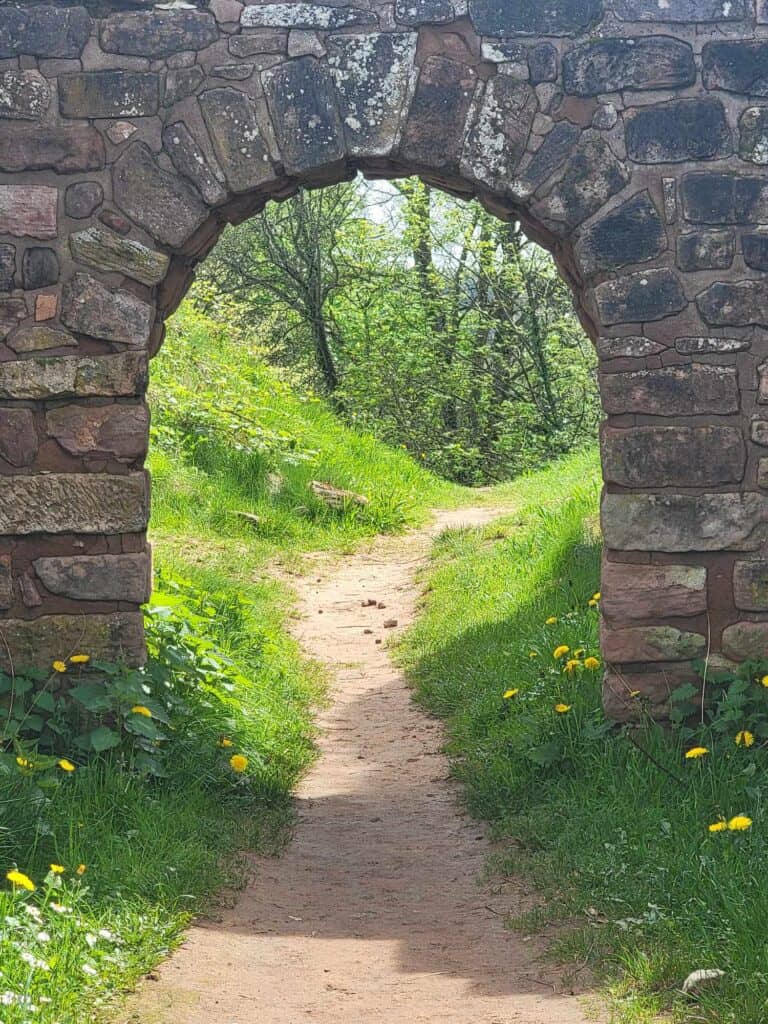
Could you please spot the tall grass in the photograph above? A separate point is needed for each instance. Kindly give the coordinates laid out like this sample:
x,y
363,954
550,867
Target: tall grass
x,y
612,826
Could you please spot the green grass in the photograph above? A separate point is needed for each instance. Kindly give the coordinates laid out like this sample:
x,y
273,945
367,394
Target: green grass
x,y
228,437
642,893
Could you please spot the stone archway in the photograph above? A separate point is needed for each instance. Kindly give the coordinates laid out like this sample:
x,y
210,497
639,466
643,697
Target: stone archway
x,y
630,137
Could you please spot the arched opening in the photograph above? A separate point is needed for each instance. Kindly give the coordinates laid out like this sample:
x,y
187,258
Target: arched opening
x,y
615,154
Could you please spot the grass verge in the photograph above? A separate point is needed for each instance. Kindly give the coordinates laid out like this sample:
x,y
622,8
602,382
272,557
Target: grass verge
x,y
619,845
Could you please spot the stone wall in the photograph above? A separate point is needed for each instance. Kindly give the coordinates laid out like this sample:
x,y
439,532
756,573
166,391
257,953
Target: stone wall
x,y
630,136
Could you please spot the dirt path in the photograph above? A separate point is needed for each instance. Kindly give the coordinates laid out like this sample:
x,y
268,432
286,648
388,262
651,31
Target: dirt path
x,y
375,912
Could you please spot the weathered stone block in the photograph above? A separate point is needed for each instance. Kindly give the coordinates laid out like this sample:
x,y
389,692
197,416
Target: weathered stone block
x,y
753,135
304,15
372,76
669,456
534,17
64,150
710,346
736,66
74,376
424,12
612,65
29,210
755,250
633,347
592,175
105,250
167,207
549,157
542,63
678,131
74,503
716,198
683,522
750,585
39,267
736,304
496,141
681,10
82,199
38,338
630,234
672,391
191,162
745,641
44,31
18,439
109,94
25,95
239,139
90,308
631,696
706,250
637,298
97,577
434,130
36,643
12,311
250,44
6,582
182,83
762,393
302,102
7,268
157,33
119,430
632,592
650,643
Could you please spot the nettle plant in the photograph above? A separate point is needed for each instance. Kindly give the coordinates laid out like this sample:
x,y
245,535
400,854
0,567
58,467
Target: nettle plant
x,y
731,706
84,707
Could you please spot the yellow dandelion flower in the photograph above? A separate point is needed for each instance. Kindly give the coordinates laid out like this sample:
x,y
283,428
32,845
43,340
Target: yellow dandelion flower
x,y
696,752
572,664
597,596
533,654
579,652
58,869
225,742
718,826
764,680
560,651
744,738
550,621
65,765
80,869
80,659
592,602
591,663
563,709
238,763
22,881
24,762
139,709
740,823
59,666
508,694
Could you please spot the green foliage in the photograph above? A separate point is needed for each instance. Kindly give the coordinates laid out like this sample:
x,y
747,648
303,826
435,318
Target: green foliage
x,y
423,319
612,825
227,443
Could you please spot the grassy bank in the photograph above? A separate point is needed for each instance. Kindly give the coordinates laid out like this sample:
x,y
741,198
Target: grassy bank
x,y
620,845
234,452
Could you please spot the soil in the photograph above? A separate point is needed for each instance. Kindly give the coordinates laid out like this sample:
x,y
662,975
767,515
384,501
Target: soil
x,y
378,910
